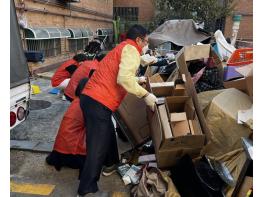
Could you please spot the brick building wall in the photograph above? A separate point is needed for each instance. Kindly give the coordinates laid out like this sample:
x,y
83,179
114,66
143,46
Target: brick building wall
x,y
86,13
146,8
245,8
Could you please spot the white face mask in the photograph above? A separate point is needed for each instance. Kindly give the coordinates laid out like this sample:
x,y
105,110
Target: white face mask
x,y
145,49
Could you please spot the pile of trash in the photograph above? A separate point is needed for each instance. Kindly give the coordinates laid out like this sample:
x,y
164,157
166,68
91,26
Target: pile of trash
x,y
199,140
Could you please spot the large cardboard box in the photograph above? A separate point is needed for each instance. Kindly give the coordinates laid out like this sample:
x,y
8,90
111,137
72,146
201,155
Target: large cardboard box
x,y
180,110
189,53
169,148
131,114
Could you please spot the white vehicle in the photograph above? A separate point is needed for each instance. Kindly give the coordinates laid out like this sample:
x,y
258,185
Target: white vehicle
x,y
19,74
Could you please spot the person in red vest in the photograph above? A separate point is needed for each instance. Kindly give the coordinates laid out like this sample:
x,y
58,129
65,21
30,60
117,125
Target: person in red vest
x,y
85,70
70,144
102,95
61,77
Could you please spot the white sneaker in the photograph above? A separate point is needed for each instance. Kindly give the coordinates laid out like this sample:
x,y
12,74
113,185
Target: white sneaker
x,y
63,97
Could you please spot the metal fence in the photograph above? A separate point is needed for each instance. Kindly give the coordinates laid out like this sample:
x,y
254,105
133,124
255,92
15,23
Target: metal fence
x,y
50,47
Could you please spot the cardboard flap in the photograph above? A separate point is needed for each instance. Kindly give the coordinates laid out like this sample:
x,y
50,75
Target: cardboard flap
x,y
133,113
167,132
156,127
179,90
195,127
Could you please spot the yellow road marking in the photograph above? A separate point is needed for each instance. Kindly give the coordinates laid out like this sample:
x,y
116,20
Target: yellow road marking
x,y
27,188
119,194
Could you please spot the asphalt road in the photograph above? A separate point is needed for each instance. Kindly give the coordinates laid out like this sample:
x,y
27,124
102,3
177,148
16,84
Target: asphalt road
x,y
29,173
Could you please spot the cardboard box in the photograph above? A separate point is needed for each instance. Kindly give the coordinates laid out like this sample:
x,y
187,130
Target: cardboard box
x,y
244,84
177,104
182,109
189,53
157,78
167,147
168,150
165,89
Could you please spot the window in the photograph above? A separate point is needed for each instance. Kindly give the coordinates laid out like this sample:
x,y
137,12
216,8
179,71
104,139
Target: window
x,y
220,24
85,42
77,44
126,13
50,47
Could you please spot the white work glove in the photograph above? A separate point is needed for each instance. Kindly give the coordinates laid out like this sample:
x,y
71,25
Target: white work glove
x,y
141,80
150,100
148,60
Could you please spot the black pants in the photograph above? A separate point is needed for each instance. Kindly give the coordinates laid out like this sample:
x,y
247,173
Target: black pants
x,y
68,98
58,160
100,142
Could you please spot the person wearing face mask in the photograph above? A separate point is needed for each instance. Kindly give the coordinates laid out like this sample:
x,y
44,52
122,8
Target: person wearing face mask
x,y
102,95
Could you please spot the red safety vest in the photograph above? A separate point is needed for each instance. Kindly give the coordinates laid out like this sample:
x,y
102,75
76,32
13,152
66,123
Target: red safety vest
x,y
82,72
103,86
61,73
71,137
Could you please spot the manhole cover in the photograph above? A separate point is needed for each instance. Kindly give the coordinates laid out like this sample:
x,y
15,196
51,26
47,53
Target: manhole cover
x,y
38,104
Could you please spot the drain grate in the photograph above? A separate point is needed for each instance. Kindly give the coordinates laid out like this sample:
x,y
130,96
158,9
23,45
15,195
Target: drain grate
x,y
39,104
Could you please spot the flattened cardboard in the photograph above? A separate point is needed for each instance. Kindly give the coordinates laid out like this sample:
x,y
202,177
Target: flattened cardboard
x,y
133,112
175,117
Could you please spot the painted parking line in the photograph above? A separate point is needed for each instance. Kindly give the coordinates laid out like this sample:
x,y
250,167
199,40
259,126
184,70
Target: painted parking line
x,y
28,188
119,194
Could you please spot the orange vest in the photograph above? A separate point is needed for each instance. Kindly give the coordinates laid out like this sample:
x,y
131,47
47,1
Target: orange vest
x,y
61,73
71,137
80,73
103,86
